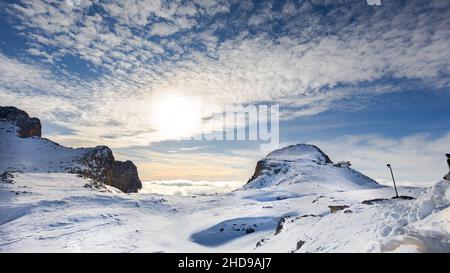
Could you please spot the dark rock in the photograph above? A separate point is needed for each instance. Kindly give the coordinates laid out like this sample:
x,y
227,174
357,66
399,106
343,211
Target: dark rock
x,y
317,199
308,215
28,127
404,197
249,230
97,163
343,164
93,184
261,242
348,211
7,177
334,209
447,176
374,201
125,177
280,224
381,200
299,244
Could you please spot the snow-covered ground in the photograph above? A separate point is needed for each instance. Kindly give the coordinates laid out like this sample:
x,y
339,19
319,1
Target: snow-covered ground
x,y
34,154
54,212
284,209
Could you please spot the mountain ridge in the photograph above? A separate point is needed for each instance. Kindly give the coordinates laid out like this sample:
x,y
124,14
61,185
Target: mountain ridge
x,y
23,149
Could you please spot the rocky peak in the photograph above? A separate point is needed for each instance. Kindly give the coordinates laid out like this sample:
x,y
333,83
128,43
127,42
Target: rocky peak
x,y
308,165
125,177
28,127
97,163
278,161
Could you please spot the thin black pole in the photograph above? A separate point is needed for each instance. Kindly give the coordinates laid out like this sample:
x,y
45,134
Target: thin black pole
x,y
393,179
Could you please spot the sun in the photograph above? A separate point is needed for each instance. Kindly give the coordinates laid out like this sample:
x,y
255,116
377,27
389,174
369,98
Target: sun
x,y
176,116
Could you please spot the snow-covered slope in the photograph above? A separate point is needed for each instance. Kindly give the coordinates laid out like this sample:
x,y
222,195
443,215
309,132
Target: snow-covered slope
x,y
23,150
297,201
309,167
53,212
385,226
36,154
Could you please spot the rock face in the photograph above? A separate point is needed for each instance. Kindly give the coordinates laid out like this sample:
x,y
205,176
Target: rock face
x,y
100,165
125,177
28,127
97,164
447,176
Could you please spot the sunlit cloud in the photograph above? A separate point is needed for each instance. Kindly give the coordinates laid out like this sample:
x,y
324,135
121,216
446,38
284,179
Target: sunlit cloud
x,y
151,47
189,188
417,159
108,69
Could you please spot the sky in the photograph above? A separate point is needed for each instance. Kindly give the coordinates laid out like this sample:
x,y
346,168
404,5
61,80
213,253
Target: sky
x,y
365,83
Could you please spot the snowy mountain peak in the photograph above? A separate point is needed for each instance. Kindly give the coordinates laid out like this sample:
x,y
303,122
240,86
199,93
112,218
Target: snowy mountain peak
x,y
26,126
23,150
306,165
300,152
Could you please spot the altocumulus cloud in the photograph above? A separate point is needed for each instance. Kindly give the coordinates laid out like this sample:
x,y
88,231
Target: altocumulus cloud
x,y
306,54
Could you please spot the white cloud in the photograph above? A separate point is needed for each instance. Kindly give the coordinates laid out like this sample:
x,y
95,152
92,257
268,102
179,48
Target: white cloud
x,y
188,188
163,29
309,65
416,160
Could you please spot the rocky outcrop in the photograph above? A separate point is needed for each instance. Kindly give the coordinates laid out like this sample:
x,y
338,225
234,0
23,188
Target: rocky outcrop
x,y
280,224
7,177
334,209
97,163
125,177
299,245
28,127
268,167
447,176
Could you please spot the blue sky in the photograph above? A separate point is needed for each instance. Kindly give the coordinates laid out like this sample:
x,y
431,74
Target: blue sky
x,y
369,84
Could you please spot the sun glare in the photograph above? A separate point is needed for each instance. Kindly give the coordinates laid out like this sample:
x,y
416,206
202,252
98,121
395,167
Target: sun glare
x,y
176,116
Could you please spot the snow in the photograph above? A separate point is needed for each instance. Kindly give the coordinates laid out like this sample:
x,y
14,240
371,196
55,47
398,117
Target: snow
x,y
306,164
54,212
34,154
43,209
299,152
